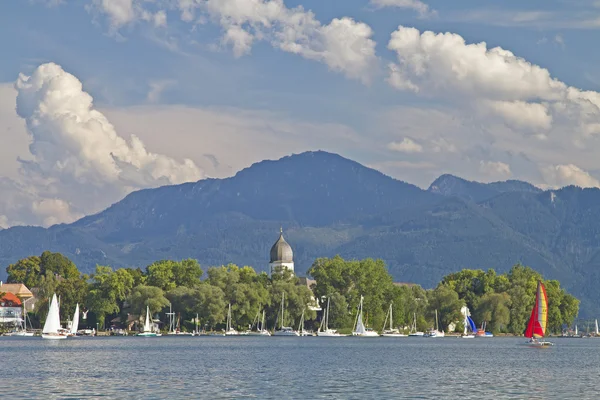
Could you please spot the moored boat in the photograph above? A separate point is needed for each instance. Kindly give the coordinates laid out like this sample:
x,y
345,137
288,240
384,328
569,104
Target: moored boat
x,y
391,332
52,329
536,327
148,329
359,327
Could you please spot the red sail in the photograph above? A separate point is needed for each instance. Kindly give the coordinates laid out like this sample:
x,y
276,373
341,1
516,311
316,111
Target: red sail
x,y
539,315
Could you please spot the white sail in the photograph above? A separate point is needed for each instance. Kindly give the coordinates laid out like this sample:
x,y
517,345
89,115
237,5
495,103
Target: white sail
x,y
147,327
75,322
596,327
360,327
52,324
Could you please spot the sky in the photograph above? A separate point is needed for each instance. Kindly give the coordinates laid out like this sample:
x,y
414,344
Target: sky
x,y
99,98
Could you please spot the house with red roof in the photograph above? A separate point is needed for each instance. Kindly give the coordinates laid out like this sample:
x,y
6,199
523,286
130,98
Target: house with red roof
x,y
11,310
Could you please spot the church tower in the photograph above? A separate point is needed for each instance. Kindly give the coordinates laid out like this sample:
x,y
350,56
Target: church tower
x,y
281,255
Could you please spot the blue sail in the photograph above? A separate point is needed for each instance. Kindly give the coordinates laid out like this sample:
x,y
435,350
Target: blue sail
x,y
472,325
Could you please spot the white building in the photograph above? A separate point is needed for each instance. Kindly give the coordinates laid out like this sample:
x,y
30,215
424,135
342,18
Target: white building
x,y
281,255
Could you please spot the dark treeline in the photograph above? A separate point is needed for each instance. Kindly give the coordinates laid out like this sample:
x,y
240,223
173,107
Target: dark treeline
x,y
503,301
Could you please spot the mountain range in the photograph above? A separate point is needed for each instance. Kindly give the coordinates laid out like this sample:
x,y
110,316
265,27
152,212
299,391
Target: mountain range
x,y
330,205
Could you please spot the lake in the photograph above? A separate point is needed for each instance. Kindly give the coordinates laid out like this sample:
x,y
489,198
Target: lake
x,y
297,368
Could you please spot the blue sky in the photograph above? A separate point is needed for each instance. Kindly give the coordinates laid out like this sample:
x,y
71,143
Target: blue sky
x,y
202,105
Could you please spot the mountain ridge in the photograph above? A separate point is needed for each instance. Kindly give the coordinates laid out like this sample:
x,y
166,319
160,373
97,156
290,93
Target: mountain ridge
x,y
331,205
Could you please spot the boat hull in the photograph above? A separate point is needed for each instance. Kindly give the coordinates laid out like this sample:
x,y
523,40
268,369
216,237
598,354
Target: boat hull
x,y
148,334
467,336
365,334
263,333
20,334
53,337
286,333
397,335
329,334
417,334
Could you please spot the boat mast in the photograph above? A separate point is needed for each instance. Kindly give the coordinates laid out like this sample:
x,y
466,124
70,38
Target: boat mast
x,y
327,315
282,300
436,322
391,324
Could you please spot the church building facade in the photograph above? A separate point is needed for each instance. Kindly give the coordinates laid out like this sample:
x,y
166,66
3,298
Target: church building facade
x,y
281,255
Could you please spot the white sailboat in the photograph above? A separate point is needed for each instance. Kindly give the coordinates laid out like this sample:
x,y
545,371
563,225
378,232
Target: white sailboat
x,y
22,330
229,331
284,330
148,331
391,332
359,327
469,326
324,330
301,331
75,322
436,332
260,327
596,331
174,325
52,328
413,329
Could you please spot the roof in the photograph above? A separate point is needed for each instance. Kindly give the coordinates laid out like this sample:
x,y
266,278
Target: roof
x,y
18,289
282,251
10,300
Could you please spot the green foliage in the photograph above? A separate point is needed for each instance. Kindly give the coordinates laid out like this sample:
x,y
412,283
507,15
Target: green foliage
x,y
494,308
352,279
503,301
146,296
108,290
445,300
27,271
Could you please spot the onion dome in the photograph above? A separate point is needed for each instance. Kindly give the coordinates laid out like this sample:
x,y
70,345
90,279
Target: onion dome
x,y
282,251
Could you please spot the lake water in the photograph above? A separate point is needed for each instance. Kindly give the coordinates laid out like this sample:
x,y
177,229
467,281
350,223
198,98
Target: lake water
x,y
297,368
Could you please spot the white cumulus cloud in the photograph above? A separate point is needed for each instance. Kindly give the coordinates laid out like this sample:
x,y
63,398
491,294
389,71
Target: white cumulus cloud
x,y
78,163
495,169
569,174
407,145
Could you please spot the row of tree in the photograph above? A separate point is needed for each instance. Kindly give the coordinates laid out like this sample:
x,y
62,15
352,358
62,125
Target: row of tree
x,y
504,301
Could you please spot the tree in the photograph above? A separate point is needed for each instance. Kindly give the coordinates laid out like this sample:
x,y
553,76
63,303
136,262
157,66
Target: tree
x,y
160,274
211,304
187,273
71,292
146,296
108,290
448,305
27,271
494,309
59,265
353,279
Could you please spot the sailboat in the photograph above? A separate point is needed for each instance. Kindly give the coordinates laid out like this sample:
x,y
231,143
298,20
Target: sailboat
x,y
436,332
52,328
175,327
22,331
469,326
148,331
324,330
229,331
74,322
391,332
284,330
413,328
536,327
262,331
596,331
301,331
359,327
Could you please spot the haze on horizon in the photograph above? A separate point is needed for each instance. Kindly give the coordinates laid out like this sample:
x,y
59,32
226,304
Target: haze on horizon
x,y
100,98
